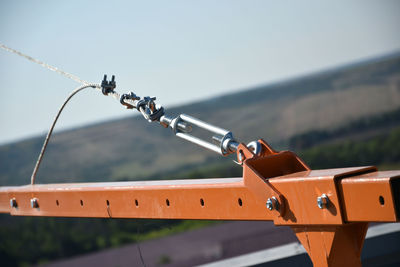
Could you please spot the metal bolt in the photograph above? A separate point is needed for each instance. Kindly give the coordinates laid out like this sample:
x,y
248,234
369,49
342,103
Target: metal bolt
x,y
255,147
272,203
34,203
323,201
241,156
269,204
13,203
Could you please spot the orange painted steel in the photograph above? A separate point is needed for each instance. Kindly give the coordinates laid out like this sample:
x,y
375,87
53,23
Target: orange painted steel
x,y
368,197
332,233
334,246
218,199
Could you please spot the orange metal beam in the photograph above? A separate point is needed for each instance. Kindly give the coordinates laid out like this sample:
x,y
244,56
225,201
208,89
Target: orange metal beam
x,y
372,197
220,199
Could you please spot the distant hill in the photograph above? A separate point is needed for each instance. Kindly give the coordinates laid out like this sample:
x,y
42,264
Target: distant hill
x,y
131,148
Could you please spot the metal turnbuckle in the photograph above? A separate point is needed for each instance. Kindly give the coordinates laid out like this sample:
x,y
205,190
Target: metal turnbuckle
x,y
226,143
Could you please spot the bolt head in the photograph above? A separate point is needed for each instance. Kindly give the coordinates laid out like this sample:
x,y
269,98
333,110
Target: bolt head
x,y
34,203
322,201
272,203
269,204
240,156
13,203
255,147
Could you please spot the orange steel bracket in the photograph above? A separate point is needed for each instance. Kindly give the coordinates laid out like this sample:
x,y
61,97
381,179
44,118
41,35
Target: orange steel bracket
x,y
352,194
258,170
328,210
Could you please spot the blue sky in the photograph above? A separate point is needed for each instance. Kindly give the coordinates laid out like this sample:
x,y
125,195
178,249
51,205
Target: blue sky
x,y
179,51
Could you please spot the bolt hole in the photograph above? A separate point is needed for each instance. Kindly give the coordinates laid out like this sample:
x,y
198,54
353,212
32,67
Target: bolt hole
x,y
240,202
136,203
57,203
381,200
202,202
167,202
81,202
108,203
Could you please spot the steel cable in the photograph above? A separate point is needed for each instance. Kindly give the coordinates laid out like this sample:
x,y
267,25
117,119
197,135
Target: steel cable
x,y
45,65
46,141
113,94
70,76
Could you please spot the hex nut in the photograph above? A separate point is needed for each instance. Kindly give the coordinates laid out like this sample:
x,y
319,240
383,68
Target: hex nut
x,y
13,203
322,201
272,203
34,203
269,204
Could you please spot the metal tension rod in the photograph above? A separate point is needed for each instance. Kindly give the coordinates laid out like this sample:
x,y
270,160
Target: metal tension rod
x,y
225,142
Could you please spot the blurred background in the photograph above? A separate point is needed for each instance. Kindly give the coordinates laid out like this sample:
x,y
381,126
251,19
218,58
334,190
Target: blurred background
x,y
321,79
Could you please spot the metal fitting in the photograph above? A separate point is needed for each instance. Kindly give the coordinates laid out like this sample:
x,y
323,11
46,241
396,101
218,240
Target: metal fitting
x,y
241,156
227,139
322,201
108,86
129,96
34,203
13,203
255,147
272,203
